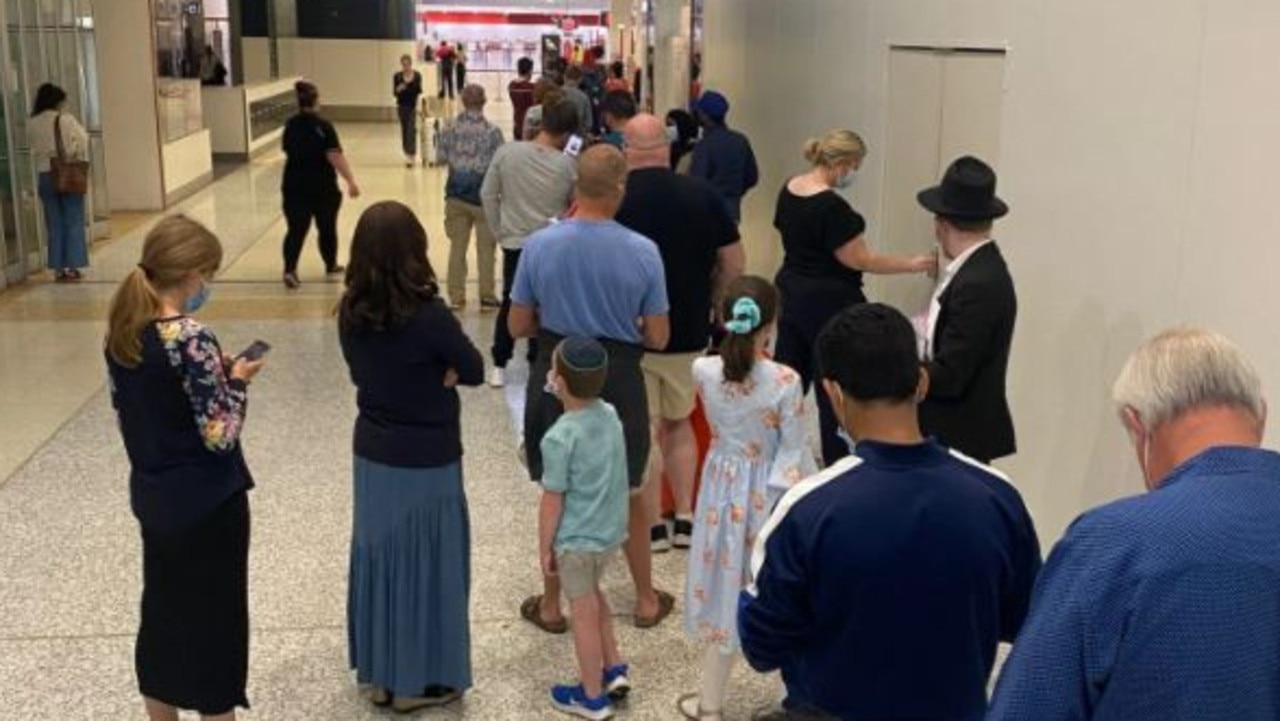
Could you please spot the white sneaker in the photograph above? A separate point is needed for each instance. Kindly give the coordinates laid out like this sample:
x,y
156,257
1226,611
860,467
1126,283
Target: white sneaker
x,y
498,378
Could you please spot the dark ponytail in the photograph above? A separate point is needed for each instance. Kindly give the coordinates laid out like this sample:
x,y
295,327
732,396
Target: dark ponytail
x,y
308,94
749,307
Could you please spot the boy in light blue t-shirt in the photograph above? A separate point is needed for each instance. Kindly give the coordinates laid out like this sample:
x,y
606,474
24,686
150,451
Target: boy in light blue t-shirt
x,y
583,520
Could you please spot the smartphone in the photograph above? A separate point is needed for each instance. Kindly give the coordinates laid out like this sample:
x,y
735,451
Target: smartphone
x,y
574,146
255,351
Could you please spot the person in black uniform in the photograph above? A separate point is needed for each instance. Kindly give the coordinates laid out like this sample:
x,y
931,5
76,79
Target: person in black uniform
x,y
825,255
406,85
314,159
180,404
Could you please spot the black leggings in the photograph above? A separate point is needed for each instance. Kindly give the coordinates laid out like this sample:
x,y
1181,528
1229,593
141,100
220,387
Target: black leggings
x,y
298,213
408,129
805,310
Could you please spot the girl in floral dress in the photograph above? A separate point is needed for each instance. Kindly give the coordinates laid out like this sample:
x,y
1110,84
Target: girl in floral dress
x,y
756,411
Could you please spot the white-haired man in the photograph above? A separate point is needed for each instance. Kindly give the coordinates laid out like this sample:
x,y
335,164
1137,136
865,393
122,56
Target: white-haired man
x,y
1167,605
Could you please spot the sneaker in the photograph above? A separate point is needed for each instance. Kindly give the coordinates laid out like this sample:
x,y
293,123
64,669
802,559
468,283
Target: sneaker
x,y
682,537
335,269
573,701
457,306
659,541
498,378
616,683
409,161
291,281
490,305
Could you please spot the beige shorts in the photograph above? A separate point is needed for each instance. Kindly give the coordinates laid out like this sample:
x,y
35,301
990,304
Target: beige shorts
x,y
582,571
668,381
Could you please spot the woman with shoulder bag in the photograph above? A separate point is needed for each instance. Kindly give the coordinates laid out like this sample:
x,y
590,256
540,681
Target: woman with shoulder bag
x,y
57,139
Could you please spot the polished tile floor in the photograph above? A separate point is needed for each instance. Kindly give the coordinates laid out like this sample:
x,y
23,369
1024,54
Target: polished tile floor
x,y
69,555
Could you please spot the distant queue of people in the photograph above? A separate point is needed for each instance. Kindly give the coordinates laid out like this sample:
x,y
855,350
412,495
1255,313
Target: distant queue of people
x,y
879,586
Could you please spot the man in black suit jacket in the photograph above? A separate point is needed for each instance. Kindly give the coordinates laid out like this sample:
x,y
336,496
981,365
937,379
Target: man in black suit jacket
x,y
971,318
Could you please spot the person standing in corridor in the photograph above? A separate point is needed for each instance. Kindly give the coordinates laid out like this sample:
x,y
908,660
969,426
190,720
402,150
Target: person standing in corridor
x,y
723,157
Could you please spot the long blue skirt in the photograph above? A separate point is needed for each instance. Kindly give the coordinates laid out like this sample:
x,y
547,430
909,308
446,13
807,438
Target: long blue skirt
x,y
409,587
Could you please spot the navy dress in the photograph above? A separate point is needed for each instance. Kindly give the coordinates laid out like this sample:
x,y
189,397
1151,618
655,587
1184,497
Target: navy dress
x,y
180,415
408,620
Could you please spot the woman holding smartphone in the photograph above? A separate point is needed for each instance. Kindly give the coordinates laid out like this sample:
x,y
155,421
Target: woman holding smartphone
x,y
181,406
410,578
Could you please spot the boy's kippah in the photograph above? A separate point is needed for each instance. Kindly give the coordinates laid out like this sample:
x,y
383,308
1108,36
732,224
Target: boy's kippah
x,y
580,353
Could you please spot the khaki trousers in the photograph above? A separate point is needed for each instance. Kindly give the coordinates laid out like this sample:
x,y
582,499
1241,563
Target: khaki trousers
x,y
459,218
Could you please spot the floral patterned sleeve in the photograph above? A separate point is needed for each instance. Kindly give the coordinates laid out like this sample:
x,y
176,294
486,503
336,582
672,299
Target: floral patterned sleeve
x,y
794,460
218,402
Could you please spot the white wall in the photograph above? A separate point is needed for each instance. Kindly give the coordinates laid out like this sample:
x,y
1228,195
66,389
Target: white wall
x,y
1139,144
126,62
349,73
255,59
186,161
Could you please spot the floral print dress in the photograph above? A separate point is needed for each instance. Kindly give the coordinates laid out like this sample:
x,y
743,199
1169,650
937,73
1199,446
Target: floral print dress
x,y
758,451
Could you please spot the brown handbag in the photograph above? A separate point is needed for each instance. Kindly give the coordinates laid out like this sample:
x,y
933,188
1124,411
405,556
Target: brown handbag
x,y
70,177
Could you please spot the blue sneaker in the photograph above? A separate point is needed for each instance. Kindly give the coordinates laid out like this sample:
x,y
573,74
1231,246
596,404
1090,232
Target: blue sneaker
x,y
616,683
573,700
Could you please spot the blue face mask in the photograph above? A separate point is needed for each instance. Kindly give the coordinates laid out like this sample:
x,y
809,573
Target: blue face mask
x,y
844,182
197,301
848,439
673,135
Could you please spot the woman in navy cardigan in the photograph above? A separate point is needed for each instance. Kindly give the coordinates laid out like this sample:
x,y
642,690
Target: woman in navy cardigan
x,y
181,406
410,578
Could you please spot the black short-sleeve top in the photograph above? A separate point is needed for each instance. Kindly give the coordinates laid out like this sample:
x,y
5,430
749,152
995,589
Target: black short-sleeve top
x,y
813,228
308,140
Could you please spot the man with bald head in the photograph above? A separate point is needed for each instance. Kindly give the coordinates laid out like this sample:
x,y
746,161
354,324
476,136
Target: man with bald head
x,y
589,276
701,252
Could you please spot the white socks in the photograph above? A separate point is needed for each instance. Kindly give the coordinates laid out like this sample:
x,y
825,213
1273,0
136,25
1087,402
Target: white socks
x,y
716,665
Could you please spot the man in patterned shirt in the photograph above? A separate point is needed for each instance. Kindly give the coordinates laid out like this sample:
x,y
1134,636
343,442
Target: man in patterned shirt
x,y
1163,607
467,146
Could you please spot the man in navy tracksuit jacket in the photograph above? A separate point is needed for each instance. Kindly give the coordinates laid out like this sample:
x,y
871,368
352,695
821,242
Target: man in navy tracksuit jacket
x,y
883,584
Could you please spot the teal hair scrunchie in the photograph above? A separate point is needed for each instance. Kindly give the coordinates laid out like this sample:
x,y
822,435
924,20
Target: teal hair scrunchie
x,y
746,317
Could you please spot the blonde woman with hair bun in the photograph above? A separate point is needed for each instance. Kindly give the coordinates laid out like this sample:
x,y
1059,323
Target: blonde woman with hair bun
x,y
825,253
181,406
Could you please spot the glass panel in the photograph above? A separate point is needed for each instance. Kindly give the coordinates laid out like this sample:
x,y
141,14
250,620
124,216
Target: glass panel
x,y
98,166
8,209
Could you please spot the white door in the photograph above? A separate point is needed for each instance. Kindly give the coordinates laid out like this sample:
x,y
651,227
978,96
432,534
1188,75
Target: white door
x,y
943,104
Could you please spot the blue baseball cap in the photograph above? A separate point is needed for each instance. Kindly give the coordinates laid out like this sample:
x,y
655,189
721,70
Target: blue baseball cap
x,y
713,105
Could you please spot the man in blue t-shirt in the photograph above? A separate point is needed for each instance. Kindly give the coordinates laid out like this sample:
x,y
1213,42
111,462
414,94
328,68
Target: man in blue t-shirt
x,y
590,276
883,585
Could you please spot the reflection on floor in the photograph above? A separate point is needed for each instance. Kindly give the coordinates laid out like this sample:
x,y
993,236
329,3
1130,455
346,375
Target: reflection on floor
x,y
69,556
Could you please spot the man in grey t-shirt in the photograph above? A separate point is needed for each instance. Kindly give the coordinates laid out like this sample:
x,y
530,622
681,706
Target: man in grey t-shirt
x,y
529,184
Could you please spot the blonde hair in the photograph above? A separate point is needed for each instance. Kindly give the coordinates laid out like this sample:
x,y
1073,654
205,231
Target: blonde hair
x,y
177,247
1186,368
837,146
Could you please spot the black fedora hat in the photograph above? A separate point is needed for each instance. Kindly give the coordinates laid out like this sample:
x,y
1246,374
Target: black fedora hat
x,y
968,191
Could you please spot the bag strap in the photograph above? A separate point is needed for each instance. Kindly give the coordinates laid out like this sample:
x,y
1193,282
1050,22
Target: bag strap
x,y
57,138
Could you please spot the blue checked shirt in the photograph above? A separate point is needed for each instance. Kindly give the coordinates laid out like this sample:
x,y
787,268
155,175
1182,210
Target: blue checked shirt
x,y
1162,607
467,147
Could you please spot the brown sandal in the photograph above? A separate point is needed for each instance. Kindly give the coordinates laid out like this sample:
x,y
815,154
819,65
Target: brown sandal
x,y
666,604
531,611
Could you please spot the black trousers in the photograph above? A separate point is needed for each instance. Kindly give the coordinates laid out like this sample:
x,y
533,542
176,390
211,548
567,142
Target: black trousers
x,y
504,346
461,71
408,129
446,82
299,211
624,388
807,305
